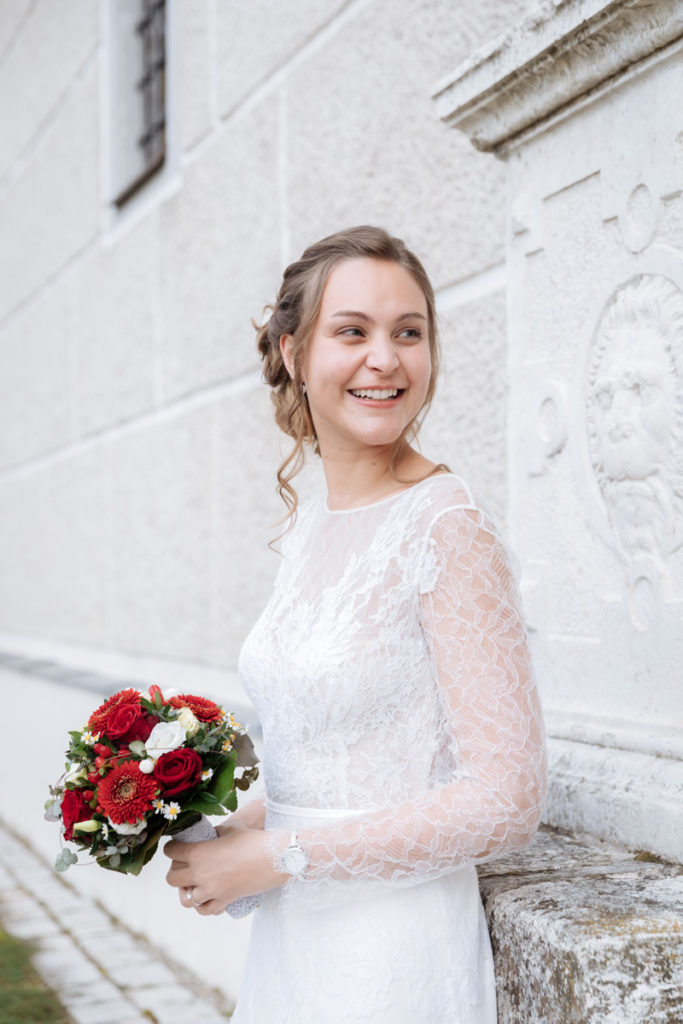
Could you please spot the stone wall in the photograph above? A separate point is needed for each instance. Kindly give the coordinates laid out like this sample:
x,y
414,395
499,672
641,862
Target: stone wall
x,y
576,102
136,447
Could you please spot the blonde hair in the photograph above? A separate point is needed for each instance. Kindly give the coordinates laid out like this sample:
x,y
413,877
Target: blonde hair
x,y
295,312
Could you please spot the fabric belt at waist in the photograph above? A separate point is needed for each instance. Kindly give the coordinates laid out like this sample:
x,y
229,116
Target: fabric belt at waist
x,y
311,812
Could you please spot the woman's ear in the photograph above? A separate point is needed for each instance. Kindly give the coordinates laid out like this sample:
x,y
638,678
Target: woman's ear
x,y
287,350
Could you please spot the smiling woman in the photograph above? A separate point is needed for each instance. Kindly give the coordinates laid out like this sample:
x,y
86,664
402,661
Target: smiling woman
x,y
360,300
402,736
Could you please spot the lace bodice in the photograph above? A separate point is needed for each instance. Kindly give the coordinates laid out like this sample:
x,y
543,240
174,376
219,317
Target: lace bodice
x,y
391,674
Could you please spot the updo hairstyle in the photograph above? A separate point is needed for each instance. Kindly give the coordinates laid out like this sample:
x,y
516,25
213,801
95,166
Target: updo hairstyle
x,y
295,312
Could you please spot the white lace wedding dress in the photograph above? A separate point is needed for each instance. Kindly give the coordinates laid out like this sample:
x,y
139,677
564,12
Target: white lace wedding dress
x,y
403,741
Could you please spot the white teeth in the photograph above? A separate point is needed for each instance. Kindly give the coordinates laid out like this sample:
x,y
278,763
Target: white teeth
x,y
375,393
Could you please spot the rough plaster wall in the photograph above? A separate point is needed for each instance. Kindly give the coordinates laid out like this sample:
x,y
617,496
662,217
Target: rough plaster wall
x,y
136,447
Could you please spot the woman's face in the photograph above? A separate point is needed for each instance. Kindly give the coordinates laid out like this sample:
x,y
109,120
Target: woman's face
x,y
367,366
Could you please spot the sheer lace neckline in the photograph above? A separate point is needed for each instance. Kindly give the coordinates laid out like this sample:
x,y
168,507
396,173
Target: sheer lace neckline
x,y
382,501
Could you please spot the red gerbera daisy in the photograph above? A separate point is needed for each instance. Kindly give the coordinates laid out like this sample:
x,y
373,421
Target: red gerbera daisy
x,y
203,709
125,793
98,720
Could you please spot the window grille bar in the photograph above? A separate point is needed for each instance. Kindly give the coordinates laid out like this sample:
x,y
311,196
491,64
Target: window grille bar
x,y
151,87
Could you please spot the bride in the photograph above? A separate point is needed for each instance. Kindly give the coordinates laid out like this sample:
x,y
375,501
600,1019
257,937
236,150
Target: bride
x,y
403,740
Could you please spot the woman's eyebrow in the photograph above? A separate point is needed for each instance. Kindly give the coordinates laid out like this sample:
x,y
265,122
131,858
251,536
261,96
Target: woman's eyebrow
x,y
364,316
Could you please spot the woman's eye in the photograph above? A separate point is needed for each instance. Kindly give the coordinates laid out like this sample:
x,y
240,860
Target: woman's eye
x,y
411,333
351,332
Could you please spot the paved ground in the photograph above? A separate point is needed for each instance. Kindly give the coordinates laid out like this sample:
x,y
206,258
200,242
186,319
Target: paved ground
x,y
102,973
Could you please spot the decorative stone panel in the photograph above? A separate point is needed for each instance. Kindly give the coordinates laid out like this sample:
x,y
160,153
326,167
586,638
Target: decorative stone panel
x,y
579,102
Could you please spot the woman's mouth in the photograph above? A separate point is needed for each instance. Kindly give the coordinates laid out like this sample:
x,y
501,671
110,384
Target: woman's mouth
x,y
376,394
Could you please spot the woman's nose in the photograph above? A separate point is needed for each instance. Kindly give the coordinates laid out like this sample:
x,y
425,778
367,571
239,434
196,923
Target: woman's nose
x,y
382,354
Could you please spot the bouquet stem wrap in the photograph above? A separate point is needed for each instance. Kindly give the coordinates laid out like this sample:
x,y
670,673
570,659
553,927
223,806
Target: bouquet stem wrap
x,y
199,833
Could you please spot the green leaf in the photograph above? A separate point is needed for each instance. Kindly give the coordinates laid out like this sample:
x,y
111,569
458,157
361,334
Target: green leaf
x,y
230,803
137,747
222,780
205,803
132,863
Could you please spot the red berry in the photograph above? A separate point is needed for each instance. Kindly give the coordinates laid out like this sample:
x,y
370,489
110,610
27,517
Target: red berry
x,y
99,761
88,794
93,776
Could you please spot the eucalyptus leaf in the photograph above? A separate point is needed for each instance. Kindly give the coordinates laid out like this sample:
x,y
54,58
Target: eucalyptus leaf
x,y
244,751
230,803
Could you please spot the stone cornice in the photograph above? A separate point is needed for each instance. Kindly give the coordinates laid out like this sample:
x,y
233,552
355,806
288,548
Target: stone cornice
x,y
565,50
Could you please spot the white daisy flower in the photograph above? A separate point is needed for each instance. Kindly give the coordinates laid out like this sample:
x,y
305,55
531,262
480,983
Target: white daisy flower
x,y
171,810
207,774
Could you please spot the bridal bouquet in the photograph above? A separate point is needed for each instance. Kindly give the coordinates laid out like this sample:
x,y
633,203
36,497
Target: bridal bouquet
x,y
145,766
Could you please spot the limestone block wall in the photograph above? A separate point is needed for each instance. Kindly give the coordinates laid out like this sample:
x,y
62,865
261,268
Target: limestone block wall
x,y
137,454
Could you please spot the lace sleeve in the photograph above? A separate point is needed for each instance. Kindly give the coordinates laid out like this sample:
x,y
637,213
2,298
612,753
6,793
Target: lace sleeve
x,y
491,723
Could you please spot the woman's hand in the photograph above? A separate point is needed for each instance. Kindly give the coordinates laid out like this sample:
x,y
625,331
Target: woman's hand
x,y
251,815
212,874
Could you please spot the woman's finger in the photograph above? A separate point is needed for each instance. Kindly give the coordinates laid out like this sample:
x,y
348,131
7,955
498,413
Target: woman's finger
x,y
179,877
177,851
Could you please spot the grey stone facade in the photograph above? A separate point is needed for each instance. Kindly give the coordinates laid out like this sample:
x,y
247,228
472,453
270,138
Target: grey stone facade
x,y
137,454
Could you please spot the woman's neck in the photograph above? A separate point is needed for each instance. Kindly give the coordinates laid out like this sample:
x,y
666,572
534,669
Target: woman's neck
x,y
358,479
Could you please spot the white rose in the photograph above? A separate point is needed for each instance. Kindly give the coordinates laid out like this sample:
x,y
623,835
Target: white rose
x,y
164,737
188,720
124,829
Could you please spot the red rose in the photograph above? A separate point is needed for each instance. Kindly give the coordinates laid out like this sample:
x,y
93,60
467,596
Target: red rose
x,y
178,770
125,794
203,709
128,722
98,720
74,808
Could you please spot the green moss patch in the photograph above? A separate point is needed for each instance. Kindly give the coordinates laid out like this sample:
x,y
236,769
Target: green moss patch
x,y
24,998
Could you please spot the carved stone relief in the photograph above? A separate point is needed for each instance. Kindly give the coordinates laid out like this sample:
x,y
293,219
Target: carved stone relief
x,y
634,423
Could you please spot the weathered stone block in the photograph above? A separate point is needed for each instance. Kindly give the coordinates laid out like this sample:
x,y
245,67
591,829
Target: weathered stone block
x,y
387,161
36,379
52,548
24,513
219,257
114,332
585,934
246,516
51,210
252,44
158,522
467,425
196,82
11,24
48,50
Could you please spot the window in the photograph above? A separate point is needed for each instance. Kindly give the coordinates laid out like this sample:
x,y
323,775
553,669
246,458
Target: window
x,y
138,54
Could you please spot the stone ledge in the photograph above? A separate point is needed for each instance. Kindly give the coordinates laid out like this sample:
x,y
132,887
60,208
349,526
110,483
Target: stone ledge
x,y
562,52
585,933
